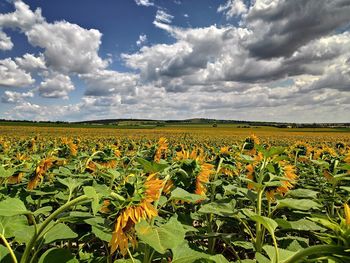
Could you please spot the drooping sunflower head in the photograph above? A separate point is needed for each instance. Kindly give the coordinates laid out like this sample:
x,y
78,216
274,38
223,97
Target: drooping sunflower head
x,y
194,172
250,142
161,148
301,149
141,191
325,153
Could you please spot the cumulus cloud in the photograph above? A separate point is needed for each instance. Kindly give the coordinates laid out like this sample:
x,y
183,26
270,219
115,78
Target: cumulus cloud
x,y
56,85
30,62
108,82
5,42
233,8
13,76
68,47
16,97
281,27
144,2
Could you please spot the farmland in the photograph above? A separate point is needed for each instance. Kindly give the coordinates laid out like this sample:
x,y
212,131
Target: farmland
x,y
177,193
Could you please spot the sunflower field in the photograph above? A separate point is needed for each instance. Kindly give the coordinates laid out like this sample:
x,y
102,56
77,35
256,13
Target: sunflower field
x,y
178,199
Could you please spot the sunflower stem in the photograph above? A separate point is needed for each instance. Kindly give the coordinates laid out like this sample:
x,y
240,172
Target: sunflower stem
x,y
12,254
26,255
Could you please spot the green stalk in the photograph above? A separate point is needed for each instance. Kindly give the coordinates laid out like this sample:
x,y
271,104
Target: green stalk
x,y
12,254
317,250
26,255
259,230
212,241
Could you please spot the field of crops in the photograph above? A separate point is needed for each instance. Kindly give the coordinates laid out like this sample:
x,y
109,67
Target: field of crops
x,y
174,194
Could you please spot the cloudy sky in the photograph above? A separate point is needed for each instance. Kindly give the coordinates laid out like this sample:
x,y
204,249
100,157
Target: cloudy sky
x,y
269,60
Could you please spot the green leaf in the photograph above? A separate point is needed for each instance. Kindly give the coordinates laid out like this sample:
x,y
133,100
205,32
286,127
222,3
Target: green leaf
x,y
151,167
225,209
218,259
8,225
12,207
99,228
305,193
57,255
162,238
244,244
298,204
71,183
283,253
90,192
43,210
6,173
184,254
24,234
183,195
268,223
59,232
302,224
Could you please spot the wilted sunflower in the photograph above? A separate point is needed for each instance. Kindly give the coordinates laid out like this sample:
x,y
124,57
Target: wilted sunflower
x,y
124,231
73,148
250,143
162,147
198,171
301,150
325,153
291,179
40,171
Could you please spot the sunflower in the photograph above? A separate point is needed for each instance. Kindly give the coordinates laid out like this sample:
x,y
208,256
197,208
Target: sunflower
x,y
124,228
203,178
40,171
324,153
197,169
291,179
73,148
301,150
161,149
250,144
124,231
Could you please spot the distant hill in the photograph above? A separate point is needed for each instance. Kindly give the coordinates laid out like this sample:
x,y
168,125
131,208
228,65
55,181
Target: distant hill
x,y
197,121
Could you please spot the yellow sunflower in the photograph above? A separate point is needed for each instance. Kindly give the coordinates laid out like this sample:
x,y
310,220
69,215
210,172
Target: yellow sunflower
x,y
40,171
161,149
291,179
124,231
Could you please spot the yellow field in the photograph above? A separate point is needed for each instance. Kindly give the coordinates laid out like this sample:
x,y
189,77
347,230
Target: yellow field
x,y
224,133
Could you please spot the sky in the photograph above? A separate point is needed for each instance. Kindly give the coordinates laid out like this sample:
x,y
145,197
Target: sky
x,y
267,60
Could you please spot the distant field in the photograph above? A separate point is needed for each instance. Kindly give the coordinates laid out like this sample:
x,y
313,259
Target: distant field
x,y
227,132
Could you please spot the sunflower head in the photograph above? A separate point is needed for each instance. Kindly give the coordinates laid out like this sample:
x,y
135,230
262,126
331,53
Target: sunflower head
x,y
250,142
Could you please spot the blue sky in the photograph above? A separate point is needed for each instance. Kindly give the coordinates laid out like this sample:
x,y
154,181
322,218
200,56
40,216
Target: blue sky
x,y
270,60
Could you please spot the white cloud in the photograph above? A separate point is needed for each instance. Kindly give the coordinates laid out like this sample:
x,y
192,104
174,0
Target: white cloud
x,y
142,39
56,85
12,76
29,62
233,8
5,42
144,2
15,97
22,18
108,82
68,47
163,17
